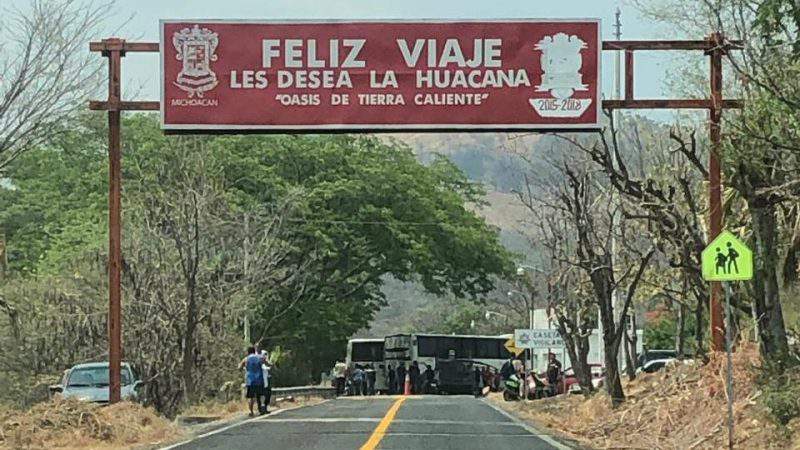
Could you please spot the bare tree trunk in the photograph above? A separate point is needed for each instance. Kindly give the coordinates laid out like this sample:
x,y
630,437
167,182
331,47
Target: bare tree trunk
x,y
187,366
610,342
634,341
627,341
613,383
577,346
585,377
680,329
699,327
766,301
191,265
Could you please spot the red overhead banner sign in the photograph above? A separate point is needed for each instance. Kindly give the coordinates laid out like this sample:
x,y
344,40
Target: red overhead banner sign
x,y
380,75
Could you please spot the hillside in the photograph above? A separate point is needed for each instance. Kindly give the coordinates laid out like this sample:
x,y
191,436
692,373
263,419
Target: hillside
x,y
487,158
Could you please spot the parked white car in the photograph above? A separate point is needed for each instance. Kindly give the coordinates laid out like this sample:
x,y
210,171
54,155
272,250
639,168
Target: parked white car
x,y
655,365
89,382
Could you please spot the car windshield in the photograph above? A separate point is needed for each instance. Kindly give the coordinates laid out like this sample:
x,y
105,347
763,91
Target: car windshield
x,y
94,376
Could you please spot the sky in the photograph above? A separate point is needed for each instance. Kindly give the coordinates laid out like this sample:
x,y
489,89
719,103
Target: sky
x,y
140,19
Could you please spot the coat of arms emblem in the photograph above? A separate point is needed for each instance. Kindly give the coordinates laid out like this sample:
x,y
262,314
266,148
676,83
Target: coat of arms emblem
x,y
196,47
561,63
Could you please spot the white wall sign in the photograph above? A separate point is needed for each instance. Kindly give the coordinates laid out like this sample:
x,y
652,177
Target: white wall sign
x,y
538,338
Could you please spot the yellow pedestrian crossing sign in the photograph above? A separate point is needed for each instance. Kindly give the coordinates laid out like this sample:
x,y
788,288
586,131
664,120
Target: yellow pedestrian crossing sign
x,y
727,259
511,346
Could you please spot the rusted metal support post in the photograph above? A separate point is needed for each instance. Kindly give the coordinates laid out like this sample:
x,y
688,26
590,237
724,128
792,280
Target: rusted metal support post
x,y
114,54
714,183
628,74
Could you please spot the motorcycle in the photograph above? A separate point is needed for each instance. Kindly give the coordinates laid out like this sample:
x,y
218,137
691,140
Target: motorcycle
x,y
511,389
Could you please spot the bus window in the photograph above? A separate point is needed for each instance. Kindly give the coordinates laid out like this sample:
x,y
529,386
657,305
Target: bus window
x,y
427,347
367,351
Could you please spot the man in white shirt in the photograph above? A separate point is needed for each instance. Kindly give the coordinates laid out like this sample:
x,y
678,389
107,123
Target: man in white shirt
x,y
265,367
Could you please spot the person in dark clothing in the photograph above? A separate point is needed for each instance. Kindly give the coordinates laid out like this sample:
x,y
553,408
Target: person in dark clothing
x,y
553,373
401,378
507,369
358,381
413,374
391,381
430,377
477,382
369,372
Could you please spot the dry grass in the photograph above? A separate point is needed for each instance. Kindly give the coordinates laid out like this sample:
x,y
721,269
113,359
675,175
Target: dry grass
x,y
680,408
235,408
70,424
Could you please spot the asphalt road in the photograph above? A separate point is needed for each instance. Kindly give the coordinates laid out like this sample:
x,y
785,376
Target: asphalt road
x,y
419,423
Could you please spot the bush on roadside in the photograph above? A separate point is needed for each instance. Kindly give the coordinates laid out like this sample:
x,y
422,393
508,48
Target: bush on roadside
x,y
780,383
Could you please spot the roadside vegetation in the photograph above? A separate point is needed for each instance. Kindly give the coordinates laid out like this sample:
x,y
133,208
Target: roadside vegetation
x,y
71,424
624,213
681,407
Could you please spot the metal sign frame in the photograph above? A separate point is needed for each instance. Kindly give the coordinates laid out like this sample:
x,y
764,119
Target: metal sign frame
x,y
715,47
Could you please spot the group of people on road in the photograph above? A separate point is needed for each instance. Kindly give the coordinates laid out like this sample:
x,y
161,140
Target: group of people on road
x,y
361,379
420,382
536,387
257,379
358,380
485,377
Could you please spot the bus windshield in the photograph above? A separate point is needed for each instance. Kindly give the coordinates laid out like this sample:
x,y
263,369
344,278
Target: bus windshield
x,y
367,351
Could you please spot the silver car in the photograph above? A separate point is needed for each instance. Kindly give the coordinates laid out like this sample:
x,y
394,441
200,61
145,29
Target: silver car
x,y
89,382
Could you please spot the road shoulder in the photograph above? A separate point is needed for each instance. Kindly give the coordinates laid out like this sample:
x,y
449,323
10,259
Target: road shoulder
x,y
555,438
201,431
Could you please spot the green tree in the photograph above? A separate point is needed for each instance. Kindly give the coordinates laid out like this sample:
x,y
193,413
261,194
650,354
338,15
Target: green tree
x,y
295,233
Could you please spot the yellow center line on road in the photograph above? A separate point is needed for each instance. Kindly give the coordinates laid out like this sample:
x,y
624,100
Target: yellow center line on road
x,y
380,430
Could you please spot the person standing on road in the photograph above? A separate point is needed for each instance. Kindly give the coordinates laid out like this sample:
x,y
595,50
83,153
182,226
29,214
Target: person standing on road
x,y
477,382
358,380
338,377
370,375
390,381
265,368
506,370
430,376
390,389
413,374
553,373
401,378
254,377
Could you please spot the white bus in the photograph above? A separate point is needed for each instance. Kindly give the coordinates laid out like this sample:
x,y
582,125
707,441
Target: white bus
x,y
425,348
368,351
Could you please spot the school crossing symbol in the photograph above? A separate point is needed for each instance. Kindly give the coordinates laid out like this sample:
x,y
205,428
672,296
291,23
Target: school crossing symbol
x,y
727,259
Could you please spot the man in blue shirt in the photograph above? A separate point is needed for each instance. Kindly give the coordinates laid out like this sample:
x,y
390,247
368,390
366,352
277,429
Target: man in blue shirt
x,y
254,378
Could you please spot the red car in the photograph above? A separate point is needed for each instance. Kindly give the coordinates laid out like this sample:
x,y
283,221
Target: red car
x,y
569,382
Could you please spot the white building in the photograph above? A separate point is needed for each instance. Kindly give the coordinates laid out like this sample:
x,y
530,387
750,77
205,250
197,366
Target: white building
x,y
596,353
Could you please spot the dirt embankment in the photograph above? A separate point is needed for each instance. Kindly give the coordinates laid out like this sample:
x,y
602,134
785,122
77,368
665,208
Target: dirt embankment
x,y
70,424
680,408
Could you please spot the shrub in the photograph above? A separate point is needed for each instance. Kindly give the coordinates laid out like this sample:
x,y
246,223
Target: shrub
x,y
781,389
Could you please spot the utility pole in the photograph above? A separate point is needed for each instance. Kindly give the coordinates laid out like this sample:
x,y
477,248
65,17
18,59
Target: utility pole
x,y
616,95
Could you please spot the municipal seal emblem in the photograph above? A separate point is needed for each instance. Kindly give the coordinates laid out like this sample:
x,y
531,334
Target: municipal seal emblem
x,y
561,63
196,48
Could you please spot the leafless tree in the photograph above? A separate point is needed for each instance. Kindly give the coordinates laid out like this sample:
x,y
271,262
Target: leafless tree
x,y
578,236
663,197
761,155
46,72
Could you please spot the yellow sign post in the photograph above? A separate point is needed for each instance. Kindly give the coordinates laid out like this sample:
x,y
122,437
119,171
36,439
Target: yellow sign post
x,y
727,259
511,346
